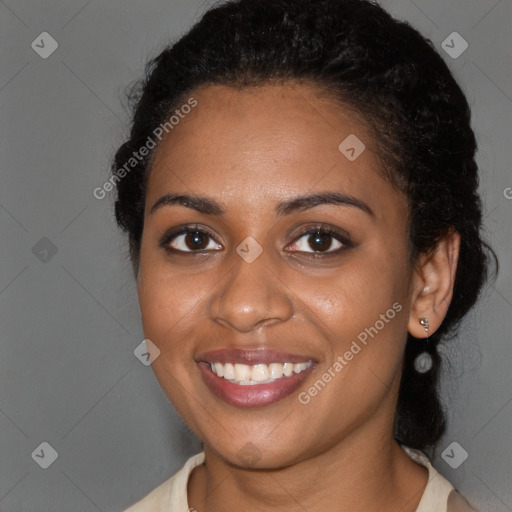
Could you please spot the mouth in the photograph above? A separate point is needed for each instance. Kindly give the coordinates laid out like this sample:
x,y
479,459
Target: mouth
x,y
253,378
245,375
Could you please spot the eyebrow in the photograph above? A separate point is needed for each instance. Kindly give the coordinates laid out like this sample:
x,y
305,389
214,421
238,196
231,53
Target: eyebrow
x,y
210,206
309,201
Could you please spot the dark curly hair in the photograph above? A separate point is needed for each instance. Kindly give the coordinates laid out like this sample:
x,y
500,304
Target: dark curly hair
x,y
383,70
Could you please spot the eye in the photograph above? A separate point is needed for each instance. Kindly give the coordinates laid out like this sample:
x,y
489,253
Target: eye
x,y
189,239
321,239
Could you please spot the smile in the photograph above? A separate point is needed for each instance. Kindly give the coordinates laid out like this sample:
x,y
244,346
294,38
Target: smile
x,y
247,375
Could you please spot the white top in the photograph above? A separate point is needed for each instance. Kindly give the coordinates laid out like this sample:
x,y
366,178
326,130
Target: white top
x,y
171,496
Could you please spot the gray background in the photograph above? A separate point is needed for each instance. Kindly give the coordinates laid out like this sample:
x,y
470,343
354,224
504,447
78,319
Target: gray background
x,y
70,320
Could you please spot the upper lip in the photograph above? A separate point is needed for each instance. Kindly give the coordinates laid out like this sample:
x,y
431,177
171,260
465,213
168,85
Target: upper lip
x,y
251,356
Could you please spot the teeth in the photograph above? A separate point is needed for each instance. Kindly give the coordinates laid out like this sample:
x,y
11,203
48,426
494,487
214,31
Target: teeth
x,y
246,375
219,369
242,372
276,370
297,368
260,372
288,369
229,371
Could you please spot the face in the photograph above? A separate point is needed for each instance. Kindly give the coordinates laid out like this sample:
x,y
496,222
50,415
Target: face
x,y
254,277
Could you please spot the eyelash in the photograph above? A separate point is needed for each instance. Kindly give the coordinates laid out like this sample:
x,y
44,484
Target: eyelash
x,y
312,230
325,231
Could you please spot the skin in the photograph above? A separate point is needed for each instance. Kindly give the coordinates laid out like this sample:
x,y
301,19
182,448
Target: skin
x,y
250,149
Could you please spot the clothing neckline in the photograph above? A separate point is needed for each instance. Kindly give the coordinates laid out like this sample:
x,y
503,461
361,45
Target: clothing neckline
x,y
434,497
437,490
174,491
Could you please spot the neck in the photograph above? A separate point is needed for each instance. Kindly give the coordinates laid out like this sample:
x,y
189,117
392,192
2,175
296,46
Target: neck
x,y
360,473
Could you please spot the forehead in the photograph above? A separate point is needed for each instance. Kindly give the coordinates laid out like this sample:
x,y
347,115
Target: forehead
x,y
262,143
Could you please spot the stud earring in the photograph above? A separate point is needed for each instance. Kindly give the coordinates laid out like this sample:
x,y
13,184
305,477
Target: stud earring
x,y
424,323
423,361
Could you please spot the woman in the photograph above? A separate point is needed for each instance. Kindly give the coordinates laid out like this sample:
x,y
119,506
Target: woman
x,y
300,193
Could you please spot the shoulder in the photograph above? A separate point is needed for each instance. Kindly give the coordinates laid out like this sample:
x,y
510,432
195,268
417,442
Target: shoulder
x,y
172,492
439,494
457,503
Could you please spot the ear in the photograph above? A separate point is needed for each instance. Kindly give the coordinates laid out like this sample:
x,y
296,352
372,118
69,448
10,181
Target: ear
x,y
432,284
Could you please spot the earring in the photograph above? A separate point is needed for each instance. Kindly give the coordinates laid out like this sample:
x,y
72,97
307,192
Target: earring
x,y
423,361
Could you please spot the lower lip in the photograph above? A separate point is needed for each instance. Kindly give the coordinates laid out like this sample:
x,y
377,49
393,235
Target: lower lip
x,y
252,395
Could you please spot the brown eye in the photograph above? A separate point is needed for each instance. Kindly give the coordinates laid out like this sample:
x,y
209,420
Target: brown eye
x,y
196,240
190,240
320,242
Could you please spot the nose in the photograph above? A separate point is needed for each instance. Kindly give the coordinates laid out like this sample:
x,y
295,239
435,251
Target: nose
x,y
250,296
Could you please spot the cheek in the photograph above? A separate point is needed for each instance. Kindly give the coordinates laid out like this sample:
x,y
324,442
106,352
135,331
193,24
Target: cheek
x,y
169,313
363,302
165,302
350,294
